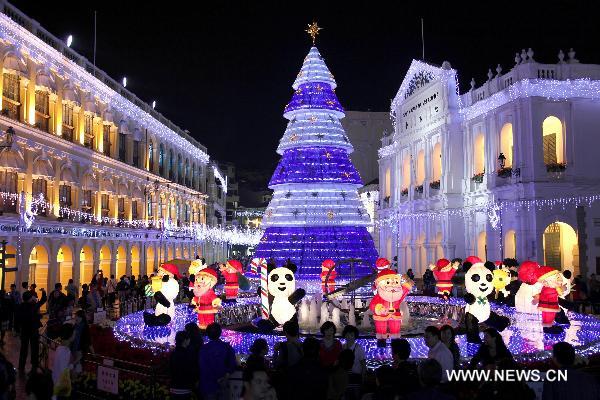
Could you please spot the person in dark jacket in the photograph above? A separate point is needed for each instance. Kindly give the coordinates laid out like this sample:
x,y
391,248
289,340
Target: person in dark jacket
x,y
308,369
196,339
55,301
216,362
258,352
492,351
428,283
29,318
182,376
449,339
5,312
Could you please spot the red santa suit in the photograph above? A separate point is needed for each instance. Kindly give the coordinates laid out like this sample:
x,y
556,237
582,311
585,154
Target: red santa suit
x,y
231,278
548,297
385,305
207,303
327,266
444,272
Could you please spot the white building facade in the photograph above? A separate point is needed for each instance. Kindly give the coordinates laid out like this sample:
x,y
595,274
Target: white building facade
x,y
507,169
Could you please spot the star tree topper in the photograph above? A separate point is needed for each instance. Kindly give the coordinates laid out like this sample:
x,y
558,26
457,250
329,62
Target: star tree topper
x,y
313,30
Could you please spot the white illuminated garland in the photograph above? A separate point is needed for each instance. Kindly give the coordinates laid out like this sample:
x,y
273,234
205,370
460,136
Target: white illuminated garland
x,y
493,209
200,232
550,89
222,180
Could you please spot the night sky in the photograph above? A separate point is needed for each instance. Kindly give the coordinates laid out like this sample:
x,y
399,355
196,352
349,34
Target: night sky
x,y
224,70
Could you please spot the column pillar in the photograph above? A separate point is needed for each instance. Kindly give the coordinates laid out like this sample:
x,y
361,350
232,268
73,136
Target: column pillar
x,y
429,254
58,116
113,260
22,274
402,258
30,95
128,260
2,91
76,273
96,261
53,264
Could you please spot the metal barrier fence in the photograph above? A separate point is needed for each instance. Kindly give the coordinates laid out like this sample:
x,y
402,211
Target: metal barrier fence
x,y
110,378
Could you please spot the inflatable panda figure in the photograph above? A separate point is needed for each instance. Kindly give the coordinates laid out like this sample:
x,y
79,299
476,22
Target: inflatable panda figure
x,y
283,296
170,290
165,297
478,283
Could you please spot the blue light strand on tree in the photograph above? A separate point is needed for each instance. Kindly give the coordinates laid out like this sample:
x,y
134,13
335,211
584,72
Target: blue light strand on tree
x,y
315,164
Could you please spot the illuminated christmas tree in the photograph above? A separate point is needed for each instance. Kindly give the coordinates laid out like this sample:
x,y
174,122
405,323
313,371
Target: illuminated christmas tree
x,y
315,213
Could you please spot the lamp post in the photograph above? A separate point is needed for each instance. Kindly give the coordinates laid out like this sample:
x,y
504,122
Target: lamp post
x,y
502,160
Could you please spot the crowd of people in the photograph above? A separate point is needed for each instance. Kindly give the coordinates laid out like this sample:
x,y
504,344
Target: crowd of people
x,y
331,366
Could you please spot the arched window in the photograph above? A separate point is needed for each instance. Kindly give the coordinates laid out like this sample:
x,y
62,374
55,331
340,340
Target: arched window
x,y
436,162
150,157
479,154
406,172
506,144
161,160
482,245
510,244
388,182
171,165
420,168
553,142
178,212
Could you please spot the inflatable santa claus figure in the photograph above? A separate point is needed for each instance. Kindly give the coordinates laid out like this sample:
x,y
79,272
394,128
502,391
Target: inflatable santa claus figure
x,y
230,271
385,305
328,284
444,270
552,284
553,287
205,300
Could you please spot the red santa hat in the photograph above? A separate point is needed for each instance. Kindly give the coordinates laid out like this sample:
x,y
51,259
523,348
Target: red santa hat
x,y
235,264
382,263
171,269
528,272
386,273
209,272
473,259
497,263
442,263
329,263
545,272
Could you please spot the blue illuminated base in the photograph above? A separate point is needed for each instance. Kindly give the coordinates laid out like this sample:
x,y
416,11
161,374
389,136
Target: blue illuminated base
x,y
524,337
307,247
